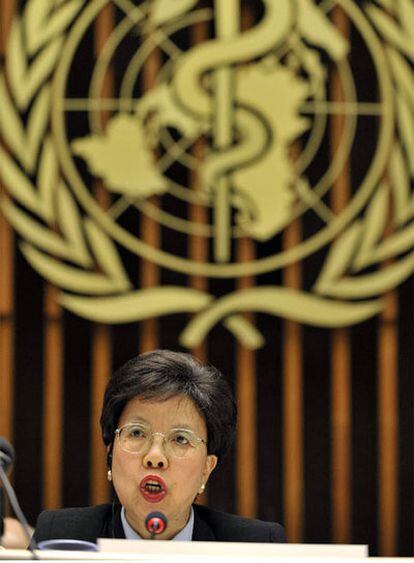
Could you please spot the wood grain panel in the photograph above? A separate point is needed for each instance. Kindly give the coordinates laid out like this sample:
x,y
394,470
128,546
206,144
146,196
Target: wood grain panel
x,y
246,396
198,250
52,401
293,405
6,379
101,370
340,348
388,422
6,326
101,344
7,9
150,231
388,428
246,386
198,214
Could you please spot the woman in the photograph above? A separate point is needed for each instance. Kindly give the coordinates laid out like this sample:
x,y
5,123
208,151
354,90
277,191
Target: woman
x,y
166,421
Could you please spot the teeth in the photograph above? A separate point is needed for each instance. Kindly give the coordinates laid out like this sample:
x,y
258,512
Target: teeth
x,y
153,487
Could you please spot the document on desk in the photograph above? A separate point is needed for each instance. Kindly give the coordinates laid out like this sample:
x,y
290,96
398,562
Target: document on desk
x,y
228,550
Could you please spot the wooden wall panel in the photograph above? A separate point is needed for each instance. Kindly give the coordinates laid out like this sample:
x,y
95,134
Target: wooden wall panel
x,y
6,327
341,408
149,229
405,330
7,8
100,374
388,429
246,395
247,473
53,419
198,246
101,352
293,441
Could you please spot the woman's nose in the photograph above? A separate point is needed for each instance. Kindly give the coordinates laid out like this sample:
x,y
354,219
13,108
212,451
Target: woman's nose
x,y
155,456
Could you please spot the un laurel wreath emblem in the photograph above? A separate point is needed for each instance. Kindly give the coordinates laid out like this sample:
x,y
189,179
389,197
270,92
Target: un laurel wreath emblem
x,y
210,127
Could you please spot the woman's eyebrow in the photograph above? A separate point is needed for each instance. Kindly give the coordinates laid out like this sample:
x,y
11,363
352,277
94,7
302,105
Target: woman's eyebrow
x,y
137,418
175,426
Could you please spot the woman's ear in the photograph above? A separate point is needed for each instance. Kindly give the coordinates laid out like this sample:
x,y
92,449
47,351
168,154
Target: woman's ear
x,y
211,462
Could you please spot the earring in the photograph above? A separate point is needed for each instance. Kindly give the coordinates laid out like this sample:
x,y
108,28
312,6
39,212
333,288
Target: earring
x,y
202,488
109,475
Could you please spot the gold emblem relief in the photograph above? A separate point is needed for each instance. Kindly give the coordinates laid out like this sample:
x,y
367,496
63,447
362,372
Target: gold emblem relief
x,y
250,95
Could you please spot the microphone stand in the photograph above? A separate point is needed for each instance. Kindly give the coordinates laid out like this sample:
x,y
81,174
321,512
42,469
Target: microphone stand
x,y
1,514
17,510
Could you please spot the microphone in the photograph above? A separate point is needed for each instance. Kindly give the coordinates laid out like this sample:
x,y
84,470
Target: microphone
x,y
155,523
6,454
6,460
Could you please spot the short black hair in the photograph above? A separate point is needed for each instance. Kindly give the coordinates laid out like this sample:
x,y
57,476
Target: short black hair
x,y
162,374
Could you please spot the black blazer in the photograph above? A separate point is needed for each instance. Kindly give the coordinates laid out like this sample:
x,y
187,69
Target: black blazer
x,y
104,521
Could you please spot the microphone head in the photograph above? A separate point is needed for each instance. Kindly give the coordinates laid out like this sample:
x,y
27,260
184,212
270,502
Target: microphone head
x,y
156,523
6,454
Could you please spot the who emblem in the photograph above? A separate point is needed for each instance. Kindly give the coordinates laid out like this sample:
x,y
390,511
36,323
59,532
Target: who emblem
x,y
214,122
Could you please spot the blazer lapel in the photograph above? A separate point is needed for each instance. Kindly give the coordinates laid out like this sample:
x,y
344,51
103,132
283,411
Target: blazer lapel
x,y
113,525
202,531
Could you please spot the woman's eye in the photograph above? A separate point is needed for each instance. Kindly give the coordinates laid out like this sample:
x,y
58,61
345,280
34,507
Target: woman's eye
x,y
136,433
181,439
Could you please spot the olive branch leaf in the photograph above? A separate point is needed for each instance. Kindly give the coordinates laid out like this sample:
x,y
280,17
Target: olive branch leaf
x,y
365,244
20,186
70,246
387,4
24,78
373,226
400,185
60,231
405,102
42,24
399,34
24,141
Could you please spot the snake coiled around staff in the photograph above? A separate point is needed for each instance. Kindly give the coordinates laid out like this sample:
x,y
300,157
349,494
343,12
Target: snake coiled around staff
x,y
266,36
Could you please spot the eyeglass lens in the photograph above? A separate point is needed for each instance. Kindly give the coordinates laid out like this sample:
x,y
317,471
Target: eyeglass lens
x,y
137,438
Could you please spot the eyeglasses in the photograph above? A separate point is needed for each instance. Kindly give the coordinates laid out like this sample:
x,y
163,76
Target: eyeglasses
x,y
137,438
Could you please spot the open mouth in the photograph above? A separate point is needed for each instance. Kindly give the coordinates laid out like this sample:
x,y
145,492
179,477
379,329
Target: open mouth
x,y
153,488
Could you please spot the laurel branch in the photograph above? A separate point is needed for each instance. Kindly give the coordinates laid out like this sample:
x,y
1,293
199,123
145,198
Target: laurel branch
x,y
77,256
363,244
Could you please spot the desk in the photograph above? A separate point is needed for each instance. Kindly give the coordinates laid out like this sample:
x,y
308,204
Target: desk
x,y
22,555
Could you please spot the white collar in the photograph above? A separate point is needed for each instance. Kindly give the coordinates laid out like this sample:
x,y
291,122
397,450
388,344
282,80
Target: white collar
x,y
185,534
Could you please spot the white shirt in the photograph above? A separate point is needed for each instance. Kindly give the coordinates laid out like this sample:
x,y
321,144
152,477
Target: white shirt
x,y
185,534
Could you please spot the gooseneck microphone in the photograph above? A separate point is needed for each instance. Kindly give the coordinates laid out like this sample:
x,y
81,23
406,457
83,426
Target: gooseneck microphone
x,y
6,460
6,454
156,523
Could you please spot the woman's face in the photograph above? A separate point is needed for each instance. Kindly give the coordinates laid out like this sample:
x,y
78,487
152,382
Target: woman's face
x,y
153,480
